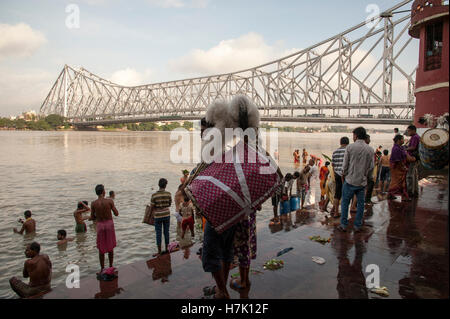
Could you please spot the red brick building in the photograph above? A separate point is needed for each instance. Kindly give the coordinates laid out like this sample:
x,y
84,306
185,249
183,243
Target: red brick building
x,y
429,23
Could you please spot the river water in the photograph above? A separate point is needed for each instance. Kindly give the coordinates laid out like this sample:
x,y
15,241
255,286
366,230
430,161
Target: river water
x,y
49,172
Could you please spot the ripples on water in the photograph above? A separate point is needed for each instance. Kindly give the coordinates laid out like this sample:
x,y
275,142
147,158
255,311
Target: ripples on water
x,y
49,172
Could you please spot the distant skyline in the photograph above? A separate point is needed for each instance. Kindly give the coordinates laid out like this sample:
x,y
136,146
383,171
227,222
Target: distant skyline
x,y
148,41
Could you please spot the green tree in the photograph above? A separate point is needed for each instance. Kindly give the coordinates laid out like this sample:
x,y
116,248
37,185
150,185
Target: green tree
x,y
148,126
55,120
188,125
5,122
20,124
40,125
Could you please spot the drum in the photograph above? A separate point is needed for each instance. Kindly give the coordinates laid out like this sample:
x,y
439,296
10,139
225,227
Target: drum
x,y
285,207
433,149
295,203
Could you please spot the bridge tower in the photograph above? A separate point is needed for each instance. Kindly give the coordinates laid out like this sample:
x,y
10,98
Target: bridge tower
x,y
429,23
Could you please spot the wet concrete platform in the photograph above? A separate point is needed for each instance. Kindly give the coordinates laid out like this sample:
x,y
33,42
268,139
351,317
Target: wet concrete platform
x,y
407,241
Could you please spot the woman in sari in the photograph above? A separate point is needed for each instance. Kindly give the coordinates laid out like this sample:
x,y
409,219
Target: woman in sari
x,y
398,168
330,188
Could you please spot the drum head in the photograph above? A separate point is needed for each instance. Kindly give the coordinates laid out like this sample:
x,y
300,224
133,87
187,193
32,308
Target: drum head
x,y
435,138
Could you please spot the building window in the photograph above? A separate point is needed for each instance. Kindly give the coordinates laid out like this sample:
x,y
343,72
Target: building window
x,y
433,50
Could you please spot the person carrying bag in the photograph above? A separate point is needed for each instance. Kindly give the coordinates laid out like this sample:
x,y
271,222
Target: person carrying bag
x,y
149,216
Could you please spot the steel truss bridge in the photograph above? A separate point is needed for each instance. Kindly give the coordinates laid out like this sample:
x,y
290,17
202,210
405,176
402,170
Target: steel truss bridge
x,y
363,75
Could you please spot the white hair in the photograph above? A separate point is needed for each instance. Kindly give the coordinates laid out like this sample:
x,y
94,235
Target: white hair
x,y
244,113
240,112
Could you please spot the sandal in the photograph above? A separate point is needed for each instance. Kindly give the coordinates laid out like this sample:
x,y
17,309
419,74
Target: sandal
x,y
234,284
209,290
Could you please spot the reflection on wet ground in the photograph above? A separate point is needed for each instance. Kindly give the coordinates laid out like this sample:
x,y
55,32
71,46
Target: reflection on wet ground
x,y
408,242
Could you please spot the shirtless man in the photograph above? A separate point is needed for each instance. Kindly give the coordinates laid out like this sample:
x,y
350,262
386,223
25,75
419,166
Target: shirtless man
x,y
62,237
106,235
38,268
80,225
28,226
304,156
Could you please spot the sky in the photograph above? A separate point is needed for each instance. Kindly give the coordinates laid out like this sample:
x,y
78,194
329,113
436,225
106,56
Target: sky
x,y
147,41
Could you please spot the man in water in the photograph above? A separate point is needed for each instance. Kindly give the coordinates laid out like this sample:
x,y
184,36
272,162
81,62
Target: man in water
x,y
38,268
106,235
28,226
112,195
62,237
412,178
358,163
304,156
296,155
80,225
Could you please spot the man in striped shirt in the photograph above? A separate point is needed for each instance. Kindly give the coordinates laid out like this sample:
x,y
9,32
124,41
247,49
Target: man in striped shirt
x,y
337,163
160,203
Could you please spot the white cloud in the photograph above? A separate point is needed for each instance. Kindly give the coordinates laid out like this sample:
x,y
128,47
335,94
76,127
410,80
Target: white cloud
x,y
199,3
167,3
95,2
131,77
246,51
23,90
179,3
19,40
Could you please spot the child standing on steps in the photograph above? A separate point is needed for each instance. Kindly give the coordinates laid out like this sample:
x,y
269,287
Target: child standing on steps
x,y
187,212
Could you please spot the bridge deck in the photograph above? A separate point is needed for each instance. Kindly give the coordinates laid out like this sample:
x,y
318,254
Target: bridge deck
x,y
340,120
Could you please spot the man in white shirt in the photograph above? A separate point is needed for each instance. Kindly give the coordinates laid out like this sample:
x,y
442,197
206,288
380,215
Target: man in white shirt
x,y
358,163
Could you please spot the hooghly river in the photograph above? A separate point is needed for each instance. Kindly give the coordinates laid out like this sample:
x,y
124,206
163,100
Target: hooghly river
x,y
49,172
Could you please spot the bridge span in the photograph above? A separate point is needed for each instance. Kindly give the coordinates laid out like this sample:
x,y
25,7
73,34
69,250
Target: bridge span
x,y
365,74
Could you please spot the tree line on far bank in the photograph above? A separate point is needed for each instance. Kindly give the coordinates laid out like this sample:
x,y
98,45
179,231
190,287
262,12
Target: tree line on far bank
x,y
48,123
55,121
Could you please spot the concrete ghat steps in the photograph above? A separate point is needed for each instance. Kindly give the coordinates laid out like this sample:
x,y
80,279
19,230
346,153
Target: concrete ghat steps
x,y
408,242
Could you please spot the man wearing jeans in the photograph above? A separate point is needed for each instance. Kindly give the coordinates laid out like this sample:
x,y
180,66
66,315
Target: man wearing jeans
x,y
160,202
358,163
